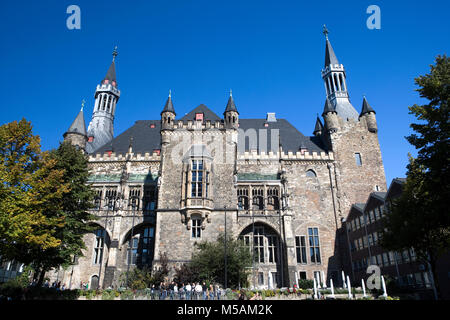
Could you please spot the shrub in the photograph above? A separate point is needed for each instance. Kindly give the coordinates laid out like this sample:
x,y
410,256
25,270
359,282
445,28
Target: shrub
x,y
127,295
305,284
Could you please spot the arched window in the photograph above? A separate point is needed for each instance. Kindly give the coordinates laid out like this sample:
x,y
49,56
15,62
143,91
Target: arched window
x,y
341,76
243,203
140,245
311,174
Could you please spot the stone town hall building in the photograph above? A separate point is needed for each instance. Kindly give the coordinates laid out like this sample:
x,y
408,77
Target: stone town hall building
x,y
164,185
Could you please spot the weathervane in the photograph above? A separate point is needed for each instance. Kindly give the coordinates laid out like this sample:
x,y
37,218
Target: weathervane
x,y
82,104
325,31
114,53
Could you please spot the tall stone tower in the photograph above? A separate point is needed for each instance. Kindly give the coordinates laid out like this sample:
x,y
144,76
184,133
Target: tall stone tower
x,y
76,134
101,127
352,137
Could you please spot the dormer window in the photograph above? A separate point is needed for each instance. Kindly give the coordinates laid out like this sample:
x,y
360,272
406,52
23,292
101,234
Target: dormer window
x,y
199,117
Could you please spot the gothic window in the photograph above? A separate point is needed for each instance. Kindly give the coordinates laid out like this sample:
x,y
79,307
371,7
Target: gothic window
x,y
258,199
132,252
300,247
133,198
314,245
196,227
341,76
311,174
273,202
272,245
108,104
262,242
110,197
150,196
99,244
258,245
103,101
358,159
197,179
97,198
242,194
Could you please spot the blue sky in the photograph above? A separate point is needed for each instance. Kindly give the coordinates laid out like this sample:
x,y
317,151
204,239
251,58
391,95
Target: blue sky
x,y
269,52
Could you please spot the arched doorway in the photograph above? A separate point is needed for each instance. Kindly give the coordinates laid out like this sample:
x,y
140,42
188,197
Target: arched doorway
x,y
266,248
94,282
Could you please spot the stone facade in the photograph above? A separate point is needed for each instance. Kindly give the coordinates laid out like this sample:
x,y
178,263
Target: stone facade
x,y
164,186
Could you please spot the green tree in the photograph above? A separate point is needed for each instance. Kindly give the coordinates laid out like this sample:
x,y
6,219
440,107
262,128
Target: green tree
x,y
72,208
419,218
31,185
209,261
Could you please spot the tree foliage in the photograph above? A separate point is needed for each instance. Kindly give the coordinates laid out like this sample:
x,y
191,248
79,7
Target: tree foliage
x,y
31,186
419,218
209,261
44,198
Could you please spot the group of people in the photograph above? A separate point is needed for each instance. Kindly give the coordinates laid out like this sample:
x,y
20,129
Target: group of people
x,y
56,285
194,291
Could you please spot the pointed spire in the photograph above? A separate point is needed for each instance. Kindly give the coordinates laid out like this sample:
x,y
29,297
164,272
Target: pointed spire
x,y
231,105
319,125
169,105
111,74
78,125
366,108
328,107
330,57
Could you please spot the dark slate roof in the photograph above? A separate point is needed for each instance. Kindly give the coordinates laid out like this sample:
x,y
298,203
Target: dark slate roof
x,y
290,138
378,195
207,114
145,138
230,105
359,206
330,57
78,125
111,74
328,107
169,106
366,108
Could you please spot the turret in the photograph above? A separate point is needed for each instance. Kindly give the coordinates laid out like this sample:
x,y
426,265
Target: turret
x,y
334,78
369,114
76,134
330,116
231,115
318,127
168,114
101,127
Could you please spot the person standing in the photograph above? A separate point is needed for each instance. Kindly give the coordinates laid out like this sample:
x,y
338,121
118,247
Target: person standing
x,y
198,290
211,292
175,291
204,289
171,287
188,290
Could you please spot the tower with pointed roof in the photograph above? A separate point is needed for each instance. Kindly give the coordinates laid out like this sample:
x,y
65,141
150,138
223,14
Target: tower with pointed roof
x,y
352,137
334,77
168,114
368,114
76,134
107,94
231,115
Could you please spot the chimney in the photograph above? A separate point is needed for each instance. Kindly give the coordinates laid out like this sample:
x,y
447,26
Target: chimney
x,y
271,117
